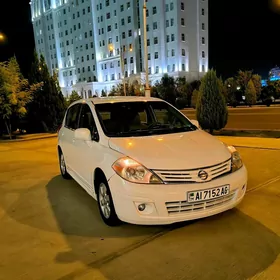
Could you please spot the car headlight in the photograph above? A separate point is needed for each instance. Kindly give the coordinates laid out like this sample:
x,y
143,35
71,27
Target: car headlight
x,y
134,172
236,161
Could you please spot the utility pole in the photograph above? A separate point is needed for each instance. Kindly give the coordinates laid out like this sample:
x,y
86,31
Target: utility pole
x,y
147,87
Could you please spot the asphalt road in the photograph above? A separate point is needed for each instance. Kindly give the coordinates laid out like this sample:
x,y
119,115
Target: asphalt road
x,y
50,228
255,118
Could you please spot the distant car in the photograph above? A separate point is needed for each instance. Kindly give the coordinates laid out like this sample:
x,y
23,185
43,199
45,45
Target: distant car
x,y
146,163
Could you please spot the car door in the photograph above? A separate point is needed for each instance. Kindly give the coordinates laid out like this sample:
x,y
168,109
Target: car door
x,y
88,153
67,136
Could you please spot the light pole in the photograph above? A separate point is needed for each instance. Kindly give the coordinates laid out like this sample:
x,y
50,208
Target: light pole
x,y
147,87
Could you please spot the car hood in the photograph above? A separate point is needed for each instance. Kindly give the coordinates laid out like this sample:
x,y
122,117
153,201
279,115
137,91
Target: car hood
x,y
195,149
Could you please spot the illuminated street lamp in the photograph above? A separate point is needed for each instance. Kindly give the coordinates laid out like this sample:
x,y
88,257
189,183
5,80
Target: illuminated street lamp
x,y
2,37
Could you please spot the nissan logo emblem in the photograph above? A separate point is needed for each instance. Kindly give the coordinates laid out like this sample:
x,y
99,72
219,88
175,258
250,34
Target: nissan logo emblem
x,y
203,175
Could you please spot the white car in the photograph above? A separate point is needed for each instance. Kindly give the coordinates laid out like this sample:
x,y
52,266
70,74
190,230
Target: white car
x,y
146,163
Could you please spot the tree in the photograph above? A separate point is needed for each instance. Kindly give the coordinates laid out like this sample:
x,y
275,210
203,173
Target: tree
x,y
194,98
231,86
166,89
257,81
250,94
243,78
222,88
46,111
266,95
211,109
74,96
15,93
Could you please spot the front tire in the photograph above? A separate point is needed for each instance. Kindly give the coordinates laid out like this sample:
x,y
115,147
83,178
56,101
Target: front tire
x,y
62,166
106,204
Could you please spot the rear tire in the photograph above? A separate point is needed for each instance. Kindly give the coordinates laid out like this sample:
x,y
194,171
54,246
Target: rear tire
x,y
106,204
62,166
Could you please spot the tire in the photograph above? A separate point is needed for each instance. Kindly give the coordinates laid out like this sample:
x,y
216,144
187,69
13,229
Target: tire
x,y
62,166
106,204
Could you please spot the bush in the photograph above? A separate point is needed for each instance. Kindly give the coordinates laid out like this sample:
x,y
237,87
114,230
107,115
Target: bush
x,y
250,94
211,106
181,103
194,98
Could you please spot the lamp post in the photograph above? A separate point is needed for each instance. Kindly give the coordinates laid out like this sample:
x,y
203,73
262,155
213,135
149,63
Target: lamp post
x,y
147,87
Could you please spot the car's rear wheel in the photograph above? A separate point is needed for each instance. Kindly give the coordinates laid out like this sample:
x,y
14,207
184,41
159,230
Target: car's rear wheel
x,y
106,205
62,165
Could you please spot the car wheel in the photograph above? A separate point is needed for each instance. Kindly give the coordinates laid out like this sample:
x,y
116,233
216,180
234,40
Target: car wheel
x,y
106,205
62,165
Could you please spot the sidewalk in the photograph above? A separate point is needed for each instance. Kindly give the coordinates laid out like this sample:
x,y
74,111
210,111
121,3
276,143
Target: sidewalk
x,y
252,142
28,137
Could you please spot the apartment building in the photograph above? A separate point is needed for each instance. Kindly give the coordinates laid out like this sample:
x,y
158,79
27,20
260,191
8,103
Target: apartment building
x,y
94,44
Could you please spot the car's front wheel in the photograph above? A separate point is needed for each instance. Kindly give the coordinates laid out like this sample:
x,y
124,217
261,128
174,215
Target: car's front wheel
x,y
106,205
62,165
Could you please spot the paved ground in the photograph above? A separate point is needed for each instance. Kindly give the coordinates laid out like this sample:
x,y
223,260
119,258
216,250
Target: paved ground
x,y
51,229
249,118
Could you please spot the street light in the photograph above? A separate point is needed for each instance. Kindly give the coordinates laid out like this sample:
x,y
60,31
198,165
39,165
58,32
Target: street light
x,y
2,37
147,88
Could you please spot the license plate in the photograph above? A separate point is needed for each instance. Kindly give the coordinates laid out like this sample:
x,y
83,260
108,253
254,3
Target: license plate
x,y
196,196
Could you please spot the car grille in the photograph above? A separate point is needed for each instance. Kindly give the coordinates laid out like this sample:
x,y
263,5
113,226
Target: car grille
x,y
176,207
192,175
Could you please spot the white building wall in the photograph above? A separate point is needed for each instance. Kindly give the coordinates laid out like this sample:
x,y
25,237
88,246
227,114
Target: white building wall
x,y
85,40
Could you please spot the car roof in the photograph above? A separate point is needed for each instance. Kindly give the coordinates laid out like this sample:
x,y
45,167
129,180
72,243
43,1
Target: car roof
x,y
113,99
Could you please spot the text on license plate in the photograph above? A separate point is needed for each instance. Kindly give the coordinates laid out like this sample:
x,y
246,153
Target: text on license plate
x,y
208,194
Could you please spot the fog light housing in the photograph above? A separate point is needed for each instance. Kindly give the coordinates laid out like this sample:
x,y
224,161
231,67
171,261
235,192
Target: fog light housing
x,y
141,207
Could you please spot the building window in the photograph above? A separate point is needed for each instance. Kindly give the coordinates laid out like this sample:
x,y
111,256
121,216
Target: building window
x,y
112,77
172,37
183,67
147,27
129,33
172,22
157,70
122,8
155,25
149,70
183,36
88,68
128,5
154,10
107,3
182,21
166,8
171,6
203,40
109,28
122,21
147,12
85,34
203,26
84,11
108,15
148,42
182,6
167,23
156,55
149,56
173,67
172,52
116,26
131,60
167,38
203,68
129,19
156,40
202,12
88,9
183,52
123,35
203,54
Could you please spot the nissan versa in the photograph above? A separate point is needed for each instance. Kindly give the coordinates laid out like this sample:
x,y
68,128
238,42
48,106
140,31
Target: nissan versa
x,y
146,163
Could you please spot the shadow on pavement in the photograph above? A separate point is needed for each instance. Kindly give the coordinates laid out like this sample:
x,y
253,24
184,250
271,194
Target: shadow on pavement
x,y
231,245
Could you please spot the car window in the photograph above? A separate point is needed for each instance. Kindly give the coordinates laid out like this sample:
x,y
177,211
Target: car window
x,y
141,118
86,119
72,117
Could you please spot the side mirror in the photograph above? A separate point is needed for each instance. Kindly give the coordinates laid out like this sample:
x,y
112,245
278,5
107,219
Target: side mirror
x,y
82,134
196,123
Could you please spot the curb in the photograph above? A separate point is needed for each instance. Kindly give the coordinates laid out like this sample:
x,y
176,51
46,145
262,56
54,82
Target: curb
x,y
29,139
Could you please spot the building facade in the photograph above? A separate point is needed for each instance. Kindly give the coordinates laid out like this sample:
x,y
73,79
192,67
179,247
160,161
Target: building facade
x,y
94,44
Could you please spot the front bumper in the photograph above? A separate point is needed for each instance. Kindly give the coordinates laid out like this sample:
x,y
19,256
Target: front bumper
x,y
127,196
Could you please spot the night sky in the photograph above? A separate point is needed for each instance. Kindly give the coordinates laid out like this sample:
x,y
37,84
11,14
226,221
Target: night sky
x,y
243,34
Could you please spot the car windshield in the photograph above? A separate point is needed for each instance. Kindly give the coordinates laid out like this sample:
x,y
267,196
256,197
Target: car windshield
x,y
125,119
